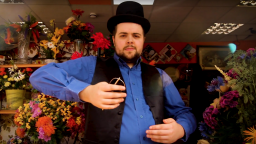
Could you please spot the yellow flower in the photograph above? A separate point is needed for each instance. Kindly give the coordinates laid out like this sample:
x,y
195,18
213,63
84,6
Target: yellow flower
x,y
43,43
202,141
13,85
6,84
62,44
27,126
251,133
52,22
5,76
55,50
76,22
49,35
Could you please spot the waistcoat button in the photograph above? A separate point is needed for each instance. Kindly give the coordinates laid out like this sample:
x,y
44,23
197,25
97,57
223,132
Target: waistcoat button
x,y
119,112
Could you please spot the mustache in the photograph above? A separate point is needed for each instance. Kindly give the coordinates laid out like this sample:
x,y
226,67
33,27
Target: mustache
x,y
129,46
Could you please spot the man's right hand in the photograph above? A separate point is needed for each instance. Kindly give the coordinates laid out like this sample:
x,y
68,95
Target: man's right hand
x,y
102,96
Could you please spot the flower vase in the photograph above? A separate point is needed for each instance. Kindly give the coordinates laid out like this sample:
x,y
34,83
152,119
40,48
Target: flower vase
x,y
47,61
23,48
78,46
15,98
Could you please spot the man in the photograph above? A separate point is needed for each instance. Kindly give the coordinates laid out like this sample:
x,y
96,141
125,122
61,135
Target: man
x,y
150,111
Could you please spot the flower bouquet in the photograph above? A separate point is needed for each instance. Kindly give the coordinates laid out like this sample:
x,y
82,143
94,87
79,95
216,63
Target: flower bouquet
x,y
231,118
76,29
48,119
52,46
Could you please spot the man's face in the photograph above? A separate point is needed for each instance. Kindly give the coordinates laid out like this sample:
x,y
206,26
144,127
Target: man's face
x,y
128,41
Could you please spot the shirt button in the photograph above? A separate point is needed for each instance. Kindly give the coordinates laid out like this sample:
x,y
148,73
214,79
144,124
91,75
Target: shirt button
x,y
133,83
141,116
137,99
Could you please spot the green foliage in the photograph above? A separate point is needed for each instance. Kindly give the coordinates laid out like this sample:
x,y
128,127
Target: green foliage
x,y
49,54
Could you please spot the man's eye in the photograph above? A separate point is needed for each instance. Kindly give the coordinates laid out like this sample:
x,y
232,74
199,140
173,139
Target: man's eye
x,y
122,36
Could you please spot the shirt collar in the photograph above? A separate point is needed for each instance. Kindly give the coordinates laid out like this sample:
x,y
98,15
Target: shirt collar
x,y
121,62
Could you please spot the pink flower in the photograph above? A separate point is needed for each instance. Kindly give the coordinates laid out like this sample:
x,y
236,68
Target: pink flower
x,y
42,135
37,112
209,118
100,41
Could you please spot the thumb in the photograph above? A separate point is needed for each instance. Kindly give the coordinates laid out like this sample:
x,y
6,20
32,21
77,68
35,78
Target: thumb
x,y
169,120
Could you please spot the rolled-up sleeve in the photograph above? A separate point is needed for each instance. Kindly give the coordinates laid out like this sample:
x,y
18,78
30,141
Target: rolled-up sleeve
x,y
64,80
175,107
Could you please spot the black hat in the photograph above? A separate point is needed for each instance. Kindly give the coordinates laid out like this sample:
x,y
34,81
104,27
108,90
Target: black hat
x,y
129,11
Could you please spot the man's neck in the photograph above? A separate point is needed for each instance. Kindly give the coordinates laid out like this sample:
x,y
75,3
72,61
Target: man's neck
x,y
130,64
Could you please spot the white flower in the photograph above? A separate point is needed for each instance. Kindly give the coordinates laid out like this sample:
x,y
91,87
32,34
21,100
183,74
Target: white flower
x,y
11,70
70,19
15,67
51,45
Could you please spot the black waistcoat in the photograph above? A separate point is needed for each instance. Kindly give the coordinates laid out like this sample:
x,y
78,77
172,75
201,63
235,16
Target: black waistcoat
x,y
103,126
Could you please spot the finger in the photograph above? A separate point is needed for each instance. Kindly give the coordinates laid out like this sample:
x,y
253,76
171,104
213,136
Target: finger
x,y
158,132
113,95
112,87
158,137
109,106
169,120
160,127
112,101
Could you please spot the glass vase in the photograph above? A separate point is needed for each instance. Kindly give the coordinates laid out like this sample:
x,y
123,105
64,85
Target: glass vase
x,y
23,48
78,46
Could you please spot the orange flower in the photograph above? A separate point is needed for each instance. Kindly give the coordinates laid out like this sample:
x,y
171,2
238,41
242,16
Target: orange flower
x,y
15,117
2,71
18,28
251,133
66,29
20,132
8,39
46,123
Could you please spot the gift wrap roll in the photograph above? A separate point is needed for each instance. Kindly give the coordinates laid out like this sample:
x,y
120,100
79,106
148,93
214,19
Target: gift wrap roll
x,y
14,98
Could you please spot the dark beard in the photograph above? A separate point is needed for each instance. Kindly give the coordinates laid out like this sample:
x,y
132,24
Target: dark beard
x,y
129,60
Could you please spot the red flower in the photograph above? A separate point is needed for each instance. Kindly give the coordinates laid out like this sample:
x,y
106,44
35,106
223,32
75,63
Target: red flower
x,y
18,28
2,71
76,55
77,12
29,70
100,41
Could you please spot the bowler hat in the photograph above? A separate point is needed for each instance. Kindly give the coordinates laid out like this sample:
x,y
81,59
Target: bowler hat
x,y
129,11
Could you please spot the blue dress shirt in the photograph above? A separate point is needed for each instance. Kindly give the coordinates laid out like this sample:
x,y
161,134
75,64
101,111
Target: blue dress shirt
x,y
66,80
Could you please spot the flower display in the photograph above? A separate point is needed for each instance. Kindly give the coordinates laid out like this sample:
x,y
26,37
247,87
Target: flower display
x,y
231,117
52,46
15,78
49,119
76,29
100,41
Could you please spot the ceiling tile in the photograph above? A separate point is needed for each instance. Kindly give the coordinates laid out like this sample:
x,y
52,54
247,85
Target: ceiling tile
x,y
239,15
104,12
251,37
253,21
101,27
191,28
91,2
47,12
156,38
244,30
233,37
181,38
169,14
46,2
178,3
209,38
163,28
147,10
212,3
206,14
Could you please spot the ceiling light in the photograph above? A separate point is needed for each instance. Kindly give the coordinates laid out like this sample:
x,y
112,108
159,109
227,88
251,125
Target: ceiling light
x,y
247,3
222,28
11,2
142,2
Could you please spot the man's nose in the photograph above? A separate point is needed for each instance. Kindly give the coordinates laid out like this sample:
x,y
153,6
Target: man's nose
x,y
130,40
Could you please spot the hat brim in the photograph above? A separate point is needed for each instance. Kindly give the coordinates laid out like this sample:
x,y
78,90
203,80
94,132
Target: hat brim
x,y
115,20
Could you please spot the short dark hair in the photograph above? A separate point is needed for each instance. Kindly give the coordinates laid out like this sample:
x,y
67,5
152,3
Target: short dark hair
x,y
115,29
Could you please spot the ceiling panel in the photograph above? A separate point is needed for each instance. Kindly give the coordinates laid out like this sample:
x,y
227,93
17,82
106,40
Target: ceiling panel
x,y
101,27
244,30
91,2
233,37
239,15
206,14
47,12
192,28
147,10
181,38
156,38
177,3
209,38
220,3
169,14
104,12
253,21
163,28
46,2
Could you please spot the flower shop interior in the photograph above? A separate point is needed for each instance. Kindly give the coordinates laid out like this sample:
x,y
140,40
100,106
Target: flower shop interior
x,y
207,47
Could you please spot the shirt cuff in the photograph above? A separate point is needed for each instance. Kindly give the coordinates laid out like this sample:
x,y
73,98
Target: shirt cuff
x,y
186,129
75,87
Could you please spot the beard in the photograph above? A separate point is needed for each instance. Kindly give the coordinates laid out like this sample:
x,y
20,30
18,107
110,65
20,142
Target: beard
x,y
129,58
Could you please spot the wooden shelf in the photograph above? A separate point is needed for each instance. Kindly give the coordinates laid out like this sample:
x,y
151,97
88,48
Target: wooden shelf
x,y
7,111
23,65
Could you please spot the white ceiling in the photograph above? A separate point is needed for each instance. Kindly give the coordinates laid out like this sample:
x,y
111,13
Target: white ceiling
x,y
171,20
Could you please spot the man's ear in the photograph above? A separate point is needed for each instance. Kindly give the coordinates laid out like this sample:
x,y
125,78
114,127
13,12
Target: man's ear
x,y
144,38
113,38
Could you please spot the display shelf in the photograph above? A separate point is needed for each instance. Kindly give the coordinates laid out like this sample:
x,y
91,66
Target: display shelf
x,y
7,111
23,65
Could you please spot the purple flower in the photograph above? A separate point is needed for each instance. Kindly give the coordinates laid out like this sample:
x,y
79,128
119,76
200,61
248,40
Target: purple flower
x,y
208,116
90,27
205,129
250,51
42,135
229,99
232,74
215,84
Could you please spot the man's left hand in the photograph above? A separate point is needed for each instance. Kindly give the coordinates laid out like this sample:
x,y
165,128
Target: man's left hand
x,y
169,132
